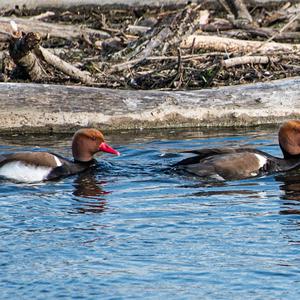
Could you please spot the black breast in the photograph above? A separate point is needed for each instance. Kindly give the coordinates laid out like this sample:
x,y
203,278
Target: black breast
x,y
70,168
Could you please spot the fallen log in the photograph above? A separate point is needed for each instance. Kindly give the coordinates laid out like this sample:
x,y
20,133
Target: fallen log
x,y
51,30
216,43
63,66
46,108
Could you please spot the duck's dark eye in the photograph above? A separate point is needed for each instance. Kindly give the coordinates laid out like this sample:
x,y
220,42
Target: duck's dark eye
x,y
93,138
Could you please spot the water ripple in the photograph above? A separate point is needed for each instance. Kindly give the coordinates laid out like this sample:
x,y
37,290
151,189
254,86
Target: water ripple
x,y
133,229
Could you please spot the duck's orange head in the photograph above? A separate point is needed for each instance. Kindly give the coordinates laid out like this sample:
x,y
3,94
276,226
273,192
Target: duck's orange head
x,y
289,139
88,141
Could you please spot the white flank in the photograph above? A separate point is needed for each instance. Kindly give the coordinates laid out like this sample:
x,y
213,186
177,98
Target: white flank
x,y
21,172
261,160
58,162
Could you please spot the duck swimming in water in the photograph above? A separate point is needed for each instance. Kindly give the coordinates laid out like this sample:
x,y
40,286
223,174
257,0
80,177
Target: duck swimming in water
x,y
40,166
241,163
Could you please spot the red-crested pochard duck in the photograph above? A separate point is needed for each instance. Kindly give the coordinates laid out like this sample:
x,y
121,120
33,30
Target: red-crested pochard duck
x,y
241,163
41,166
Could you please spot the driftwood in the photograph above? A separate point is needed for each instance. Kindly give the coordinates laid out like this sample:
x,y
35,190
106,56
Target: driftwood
x,y
29,56
216,43
225,28
169,31
241,29
243,60
53,30
160,49
21,50
238,8
61,108
263,33
64,67
43,15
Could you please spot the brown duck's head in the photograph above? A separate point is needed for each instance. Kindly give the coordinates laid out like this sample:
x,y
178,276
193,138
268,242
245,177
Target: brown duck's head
x,y
88,141
289,139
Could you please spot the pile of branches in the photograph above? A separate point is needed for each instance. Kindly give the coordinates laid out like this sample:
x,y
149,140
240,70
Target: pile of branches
x,y
179,47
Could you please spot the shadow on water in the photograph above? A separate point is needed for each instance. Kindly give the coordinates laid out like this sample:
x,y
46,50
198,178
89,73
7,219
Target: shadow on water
x,y
290,205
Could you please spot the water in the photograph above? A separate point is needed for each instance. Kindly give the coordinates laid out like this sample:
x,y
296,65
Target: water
x,y
131,229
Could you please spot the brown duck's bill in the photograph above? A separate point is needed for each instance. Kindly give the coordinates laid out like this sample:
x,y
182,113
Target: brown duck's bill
x,y
106,148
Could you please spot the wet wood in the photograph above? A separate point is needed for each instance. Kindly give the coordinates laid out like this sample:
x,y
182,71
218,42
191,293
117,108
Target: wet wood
x,y
45,108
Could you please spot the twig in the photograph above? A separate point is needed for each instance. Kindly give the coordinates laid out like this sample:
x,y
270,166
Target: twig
x,y
225,5
135,29
131,63
263,32
239,9
169,31
294,67
268,41
283,28
179,74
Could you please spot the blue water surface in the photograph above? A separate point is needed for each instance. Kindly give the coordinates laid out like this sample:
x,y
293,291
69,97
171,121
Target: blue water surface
x,y
134,229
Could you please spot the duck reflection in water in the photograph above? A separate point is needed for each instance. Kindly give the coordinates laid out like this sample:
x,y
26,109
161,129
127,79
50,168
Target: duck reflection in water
x,y
291,192
89,193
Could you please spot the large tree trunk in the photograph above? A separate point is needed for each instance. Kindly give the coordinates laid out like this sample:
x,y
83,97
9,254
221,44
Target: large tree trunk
x,y
45,108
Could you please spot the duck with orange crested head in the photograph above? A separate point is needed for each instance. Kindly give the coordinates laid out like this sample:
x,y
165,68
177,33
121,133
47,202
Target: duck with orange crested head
x,y
40,166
